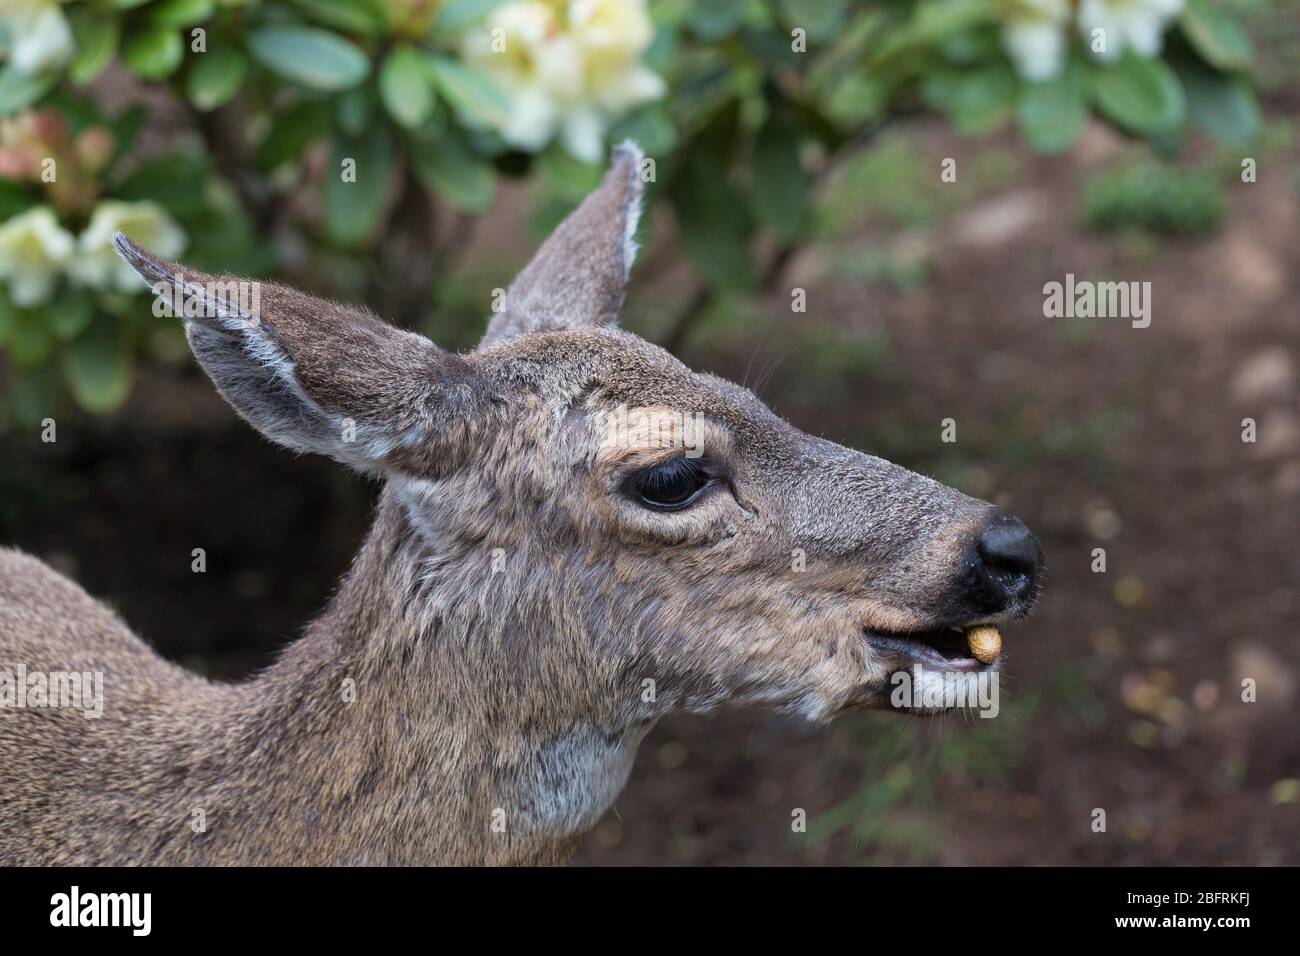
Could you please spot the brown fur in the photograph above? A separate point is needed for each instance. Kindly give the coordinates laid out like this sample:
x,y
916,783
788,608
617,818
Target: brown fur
x,y
509,606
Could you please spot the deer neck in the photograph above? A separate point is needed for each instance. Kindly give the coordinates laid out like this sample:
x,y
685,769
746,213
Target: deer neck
x,y
410,724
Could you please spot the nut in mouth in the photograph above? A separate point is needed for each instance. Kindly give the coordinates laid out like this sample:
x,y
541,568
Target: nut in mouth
x,y
973,648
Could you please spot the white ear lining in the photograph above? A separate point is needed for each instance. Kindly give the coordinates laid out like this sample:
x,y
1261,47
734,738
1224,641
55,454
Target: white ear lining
x,y
632,205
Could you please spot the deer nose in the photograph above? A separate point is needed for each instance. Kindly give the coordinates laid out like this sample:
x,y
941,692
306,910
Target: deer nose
x,y
1010,558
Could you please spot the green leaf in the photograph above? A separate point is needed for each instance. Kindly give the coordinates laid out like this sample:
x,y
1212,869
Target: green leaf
x,y
317,59
126,127
651,128
175,181
483,142
15,198
936,20
455,15
292,132
855,99
567,177
780,185
449,169
1222,106
215,77
933,22
356,110
405,86
19,91
821,18
35,394
153,54
97,365
713,21
1143,96
8,317
775,50
976,100
96,41
348,16
972,47
180,13
70,314
223,240
1052,113
472,94
79,111
664,50
353,208
31,339
1216,36
712,223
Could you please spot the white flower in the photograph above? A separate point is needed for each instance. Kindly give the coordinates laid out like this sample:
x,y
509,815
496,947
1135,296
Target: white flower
x,y
612,36
33,250
35,34
1033,34
568,69
1137,24
535,63
145,223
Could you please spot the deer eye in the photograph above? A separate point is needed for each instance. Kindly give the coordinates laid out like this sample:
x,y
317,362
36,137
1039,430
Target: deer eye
x,y
670,485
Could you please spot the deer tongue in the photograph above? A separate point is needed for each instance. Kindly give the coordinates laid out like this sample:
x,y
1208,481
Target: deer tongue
x,y
985,643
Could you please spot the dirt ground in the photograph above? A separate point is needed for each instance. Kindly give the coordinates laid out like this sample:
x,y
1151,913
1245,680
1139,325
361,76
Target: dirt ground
x,y
1123,694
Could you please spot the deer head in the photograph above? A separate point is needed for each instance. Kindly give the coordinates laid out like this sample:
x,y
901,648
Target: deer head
x,y
616,535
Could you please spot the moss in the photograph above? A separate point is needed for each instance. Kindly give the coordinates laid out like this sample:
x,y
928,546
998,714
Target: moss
x,y
1153,197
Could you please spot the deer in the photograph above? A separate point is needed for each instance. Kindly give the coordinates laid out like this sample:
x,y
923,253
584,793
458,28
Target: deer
x,y
575,535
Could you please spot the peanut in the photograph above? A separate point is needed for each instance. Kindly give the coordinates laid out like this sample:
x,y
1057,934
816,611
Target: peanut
x,y
985,643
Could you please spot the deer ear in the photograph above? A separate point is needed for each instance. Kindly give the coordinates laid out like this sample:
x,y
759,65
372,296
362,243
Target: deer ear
x,y
313,375
576,279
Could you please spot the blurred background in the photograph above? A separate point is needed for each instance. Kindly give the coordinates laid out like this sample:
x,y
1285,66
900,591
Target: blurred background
x,y
855,209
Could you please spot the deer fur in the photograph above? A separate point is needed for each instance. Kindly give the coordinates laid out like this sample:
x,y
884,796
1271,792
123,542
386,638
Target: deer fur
x,y
513,624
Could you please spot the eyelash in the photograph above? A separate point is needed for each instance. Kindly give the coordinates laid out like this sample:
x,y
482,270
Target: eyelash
x,y
660,480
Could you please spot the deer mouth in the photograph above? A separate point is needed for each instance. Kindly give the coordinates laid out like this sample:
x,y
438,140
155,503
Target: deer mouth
x,y
941,648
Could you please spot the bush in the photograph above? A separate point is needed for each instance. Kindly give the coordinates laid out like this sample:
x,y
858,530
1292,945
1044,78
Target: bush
x,y
323,140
